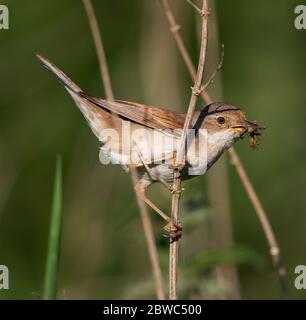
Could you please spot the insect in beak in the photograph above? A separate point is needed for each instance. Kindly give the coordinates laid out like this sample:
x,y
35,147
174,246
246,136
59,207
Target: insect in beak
x,y
252,129
254,133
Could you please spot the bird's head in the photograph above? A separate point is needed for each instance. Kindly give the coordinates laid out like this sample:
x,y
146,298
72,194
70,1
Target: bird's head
x,y
226,123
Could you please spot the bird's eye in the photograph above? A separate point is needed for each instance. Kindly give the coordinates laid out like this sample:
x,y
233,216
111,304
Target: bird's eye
x,y
221,120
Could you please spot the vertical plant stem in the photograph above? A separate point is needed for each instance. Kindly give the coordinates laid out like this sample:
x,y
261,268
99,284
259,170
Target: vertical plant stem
x,y
152,249
145,218
180,159
227,273
95,31
235,160
265,224
174,244
175,29
51,274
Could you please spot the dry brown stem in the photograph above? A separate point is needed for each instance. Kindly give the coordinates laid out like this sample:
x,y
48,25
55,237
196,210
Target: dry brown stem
x,y
180,159
145,218
234,159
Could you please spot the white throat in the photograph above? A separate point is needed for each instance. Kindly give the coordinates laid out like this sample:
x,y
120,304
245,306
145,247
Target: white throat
x,y
219,142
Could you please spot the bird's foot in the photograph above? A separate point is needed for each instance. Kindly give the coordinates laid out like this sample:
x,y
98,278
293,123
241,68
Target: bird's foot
x,y
170,188
173,230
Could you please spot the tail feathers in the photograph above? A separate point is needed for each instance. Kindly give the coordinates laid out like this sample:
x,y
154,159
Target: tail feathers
x,y
59,74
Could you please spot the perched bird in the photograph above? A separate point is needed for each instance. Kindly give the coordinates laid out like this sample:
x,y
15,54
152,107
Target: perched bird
x,y
147,138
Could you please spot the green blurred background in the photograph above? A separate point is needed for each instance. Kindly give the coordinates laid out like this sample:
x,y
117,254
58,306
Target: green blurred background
x,y
103,248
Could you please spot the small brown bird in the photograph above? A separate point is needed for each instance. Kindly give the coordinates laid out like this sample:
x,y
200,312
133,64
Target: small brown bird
x,y
147,138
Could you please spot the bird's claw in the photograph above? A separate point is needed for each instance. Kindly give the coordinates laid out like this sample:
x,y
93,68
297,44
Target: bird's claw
x,y
173,230
172,190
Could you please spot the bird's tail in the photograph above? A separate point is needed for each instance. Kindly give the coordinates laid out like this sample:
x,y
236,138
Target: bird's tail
x,y
98,118
59,74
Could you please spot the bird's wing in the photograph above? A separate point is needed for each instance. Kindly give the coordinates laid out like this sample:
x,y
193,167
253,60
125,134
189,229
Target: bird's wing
x,y
152,117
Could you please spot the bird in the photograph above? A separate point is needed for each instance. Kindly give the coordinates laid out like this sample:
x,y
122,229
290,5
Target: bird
x,y
147,138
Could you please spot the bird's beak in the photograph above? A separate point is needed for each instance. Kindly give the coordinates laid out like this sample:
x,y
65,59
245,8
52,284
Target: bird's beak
x,y
247,127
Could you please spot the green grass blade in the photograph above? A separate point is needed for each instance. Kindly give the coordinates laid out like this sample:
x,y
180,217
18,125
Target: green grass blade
x,y
52,264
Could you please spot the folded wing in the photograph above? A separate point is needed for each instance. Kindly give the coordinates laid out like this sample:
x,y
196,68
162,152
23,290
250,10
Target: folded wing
x,y
152,117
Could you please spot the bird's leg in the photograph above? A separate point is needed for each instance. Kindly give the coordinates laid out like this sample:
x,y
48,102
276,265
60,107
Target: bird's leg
x,y
140,190
173,230
151,174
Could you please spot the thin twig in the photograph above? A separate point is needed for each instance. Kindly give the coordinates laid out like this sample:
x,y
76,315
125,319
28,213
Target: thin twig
x,y
212,77
195,6
235,160
99,48
145,218
175,29
180,159
262,216
195,89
